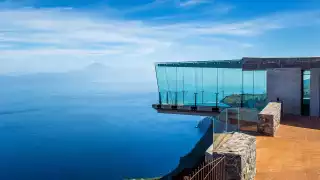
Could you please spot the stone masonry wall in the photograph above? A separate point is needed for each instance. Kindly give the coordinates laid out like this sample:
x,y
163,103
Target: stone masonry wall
x,y
269,119
240,153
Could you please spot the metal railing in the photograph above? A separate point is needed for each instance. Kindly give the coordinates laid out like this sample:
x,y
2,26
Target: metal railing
x,y
209,170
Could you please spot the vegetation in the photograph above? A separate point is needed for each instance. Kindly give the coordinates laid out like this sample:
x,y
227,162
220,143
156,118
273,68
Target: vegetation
x,y
248,100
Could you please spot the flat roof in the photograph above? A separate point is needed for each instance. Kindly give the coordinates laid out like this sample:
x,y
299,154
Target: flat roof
x,y
251,63
258,63
205,64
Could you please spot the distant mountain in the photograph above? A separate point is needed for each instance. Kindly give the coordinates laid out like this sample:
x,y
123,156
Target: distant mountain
x,y
95,76
95,72
96,67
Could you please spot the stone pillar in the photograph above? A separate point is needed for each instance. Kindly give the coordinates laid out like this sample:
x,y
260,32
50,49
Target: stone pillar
x,y
269,119
240,153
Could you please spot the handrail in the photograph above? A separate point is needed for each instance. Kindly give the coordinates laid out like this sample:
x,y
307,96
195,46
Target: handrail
x,y
212,168
218,159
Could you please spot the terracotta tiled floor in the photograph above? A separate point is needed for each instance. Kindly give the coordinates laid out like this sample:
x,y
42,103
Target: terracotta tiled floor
x,y
294,154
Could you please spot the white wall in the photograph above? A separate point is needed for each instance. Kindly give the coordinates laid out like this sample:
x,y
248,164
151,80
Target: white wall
x,y
314,92
285,84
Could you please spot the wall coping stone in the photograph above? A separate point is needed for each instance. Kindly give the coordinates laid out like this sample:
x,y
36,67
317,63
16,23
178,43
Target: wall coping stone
x,y
269,118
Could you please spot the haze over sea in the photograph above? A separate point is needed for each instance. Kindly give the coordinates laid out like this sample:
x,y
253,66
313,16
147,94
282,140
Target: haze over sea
x,y
60,126
77,77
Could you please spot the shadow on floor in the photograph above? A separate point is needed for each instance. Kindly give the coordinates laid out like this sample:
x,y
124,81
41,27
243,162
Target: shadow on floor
x,y
301,121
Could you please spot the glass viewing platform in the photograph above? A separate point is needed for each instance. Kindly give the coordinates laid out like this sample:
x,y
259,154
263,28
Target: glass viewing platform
x,y
212,84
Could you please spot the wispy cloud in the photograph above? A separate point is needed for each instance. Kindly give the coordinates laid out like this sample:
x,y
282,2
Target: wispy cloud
x,y
145,7
223,8
158,4
30,34
189,3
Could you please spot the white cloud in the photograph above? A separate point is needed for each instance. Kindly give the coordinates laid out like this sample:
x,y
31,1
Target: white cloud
x,y
57,51
53,36
189,3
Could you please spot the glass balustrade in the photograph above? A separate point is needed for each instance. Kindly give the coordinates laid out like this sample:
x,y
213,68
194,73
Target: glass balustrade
x,y
240,95
233,120
204,85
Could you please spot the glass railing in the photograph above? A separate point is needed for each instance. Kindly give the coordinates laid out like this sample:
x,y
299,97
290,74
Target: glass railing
x,y
227,120
205,98
207,85
236,119
233,120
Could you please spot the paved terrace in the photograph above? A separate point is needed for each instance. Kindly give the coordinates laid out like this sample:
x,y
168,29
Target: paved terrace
x,y
293,154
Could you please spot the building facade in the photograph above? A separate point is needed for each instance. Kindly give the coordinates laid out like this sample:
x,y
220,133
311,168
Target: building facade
x,y
208,87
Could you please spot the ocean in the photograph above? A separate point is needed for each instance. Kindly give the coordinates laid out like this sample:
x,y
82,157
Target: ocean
x,y
79,134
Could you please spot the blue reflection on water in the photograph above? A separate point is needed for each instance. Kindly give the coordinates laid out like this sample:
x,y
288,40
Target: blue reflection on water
x,y
89,136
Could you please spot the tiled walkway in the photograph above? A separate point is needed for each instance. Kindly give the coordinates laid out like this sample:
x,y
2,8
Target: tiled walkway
x,y
294,154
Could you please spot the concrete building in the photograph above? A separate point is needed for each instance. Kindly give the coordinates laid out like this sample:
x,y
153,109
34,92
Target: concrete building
x,y
209,87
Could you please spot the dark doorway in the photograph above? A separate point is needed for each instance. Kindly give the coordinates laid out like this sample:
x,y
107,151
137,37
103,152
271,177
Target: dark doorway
x,y
305,106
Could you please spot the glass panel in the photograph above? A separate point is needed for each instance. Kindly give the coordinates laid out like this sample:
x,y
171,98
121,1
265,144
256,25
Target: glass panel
x,y
198,85
260,89
221,83
208,86
180,85
189,86
227,121
248,119
231,87
171,75
248,89
162,84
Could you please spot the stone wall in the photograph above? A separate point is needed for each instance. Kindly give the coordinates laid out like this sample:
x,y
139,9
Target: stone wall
x,y
240,153
269,119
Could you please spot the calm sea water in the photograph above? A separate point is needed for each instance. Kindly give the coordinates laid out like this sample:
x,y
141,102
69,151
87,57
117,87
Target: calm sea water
x,y
88,135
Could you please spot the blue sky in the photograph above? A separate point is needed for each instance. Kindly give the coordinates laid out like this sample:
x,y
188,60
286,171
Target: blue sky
x,y
62,35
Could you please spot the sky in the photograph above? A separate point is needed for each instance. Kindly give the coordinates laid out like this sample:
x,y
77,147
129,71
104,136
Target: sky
x,y
63,35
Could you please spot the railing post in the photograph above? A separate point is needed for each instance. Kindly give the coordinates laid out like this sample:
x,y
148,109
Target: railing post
x,y
217,99
202,96
167,97
195,99
176,99
182,97
160,100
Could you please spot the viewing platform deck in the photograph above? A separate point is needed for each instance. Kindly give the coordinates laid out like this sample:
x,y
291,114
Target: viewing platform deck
x,y
294,153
